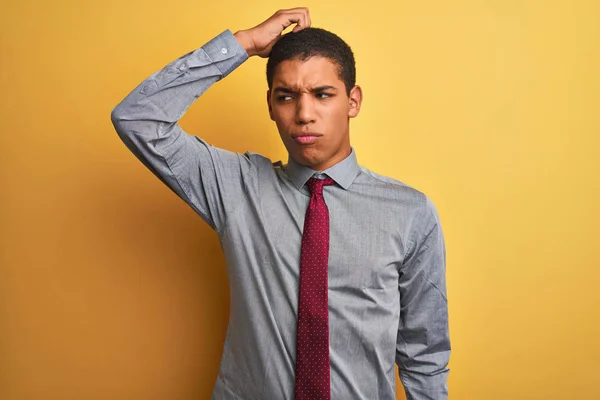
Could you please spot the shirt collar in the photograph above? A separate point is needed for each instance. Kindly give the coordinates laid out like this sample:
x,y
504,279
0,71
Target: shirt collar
x,y
343,173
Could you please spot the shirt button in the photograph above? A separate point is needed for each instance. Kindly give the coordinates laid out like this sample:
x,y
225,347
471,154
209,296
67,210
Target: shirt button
x,y
224,50
182,67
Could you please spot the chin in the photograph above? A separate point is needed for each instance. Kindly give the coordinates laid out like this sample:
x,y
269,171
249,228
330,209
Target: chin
x,y
311,160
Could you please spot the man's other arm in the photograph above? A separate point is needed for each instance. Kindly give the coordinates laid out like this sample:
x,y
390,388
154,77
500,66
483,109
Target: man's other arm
x,y
423,343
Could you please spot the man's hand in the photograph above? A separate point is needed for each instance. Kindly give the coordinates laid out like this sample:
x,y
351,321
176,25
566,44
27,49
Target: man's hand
x,y
259,41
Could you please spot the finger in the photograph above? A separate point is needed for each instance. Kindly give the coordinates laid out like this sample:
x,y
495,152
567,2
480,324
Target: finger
x,y
303,21
305,17
301,24
300,13
297,9
288,19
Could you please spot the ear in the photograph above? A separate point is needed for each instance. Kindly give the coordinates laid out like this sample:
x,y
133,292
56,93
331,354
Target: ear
x,y
354,101
269,104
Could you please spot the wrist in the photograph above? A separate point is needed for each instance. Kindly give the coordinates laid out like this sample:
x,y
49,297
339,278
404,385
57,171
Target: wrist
x,y
245,41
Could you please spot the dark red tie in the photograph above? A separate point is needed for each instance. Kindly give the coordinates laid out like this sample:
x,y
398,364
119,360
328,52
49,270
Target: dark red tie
x,y
312,350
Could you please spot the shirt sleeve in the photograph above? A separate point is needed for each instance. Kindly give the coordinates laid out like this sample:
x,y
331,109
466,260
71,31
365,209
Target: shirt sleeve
x,y
423,343
212,181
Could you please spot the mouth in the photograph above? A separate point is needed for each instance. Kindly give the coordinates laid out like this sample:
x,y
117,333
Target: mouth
x,y
306,138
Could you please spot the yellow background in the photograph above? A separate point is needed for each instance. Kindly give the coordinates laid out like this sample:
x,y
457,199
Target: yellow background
x,y
112,288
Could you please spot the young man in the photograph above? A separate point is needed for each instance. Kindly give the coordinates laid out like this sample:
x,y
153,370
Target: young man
x,y
335,272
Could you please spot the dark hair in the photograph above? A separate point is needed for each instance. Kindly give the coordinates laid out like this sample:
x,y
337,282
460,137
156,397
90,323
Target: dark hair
x,y
314,42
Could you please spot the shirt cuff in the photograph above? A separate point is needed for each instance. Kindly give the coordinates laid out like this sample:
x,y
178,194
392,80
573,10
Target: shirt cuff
x,y
226,52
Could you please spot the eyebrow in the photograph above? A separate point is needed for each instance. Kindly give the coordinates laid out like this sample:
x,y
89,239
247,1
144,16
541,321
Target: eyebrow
x,y
281,89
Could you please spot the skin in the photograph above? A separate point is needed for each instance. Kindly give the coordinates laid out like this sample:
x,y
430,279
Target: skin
x,y
308,98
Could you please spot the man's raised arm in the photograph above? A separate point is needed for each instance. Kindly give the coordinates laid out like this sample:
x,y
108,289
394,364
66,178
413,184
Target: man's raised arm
x,y
212,181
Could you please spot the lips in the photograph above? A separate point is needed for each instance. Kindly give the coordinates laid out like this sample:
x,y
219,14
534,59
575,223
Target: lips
x,y
306,138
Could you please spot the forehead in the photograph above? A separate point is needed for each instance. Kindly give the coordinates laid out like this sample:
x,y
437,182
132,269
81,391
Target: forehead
x,y
313,72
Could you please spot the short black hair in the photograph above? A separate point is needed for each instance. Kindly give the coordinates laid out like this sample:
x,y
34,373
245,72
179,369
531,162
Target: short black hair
x,y
314,42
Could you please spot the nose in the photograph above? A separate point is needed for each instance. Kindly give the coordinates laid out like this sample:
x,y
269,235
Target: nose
x,y
305,111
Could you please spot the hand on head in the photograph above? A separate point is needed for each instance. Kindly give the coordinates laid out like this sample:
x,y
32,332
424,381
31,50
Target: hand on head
x,y
259,41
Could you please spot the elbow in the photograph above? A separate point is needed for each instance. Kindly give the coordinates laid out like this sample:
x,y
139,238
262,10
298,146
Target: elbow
x,y
118,119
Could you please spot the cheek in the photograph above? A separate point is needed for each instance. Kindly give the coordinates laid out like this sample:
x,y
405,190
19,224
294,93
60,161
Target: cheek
x,y
281,116
282,124
336,113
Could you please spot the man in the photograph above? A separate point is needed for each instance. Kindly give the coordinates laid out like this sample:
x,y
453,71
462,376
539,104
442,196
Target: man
x,y
335,272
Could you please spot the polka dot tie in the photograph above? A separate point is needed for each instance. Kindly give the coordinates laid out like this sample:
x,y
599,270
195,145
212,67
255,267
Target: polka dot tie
x,y
312,350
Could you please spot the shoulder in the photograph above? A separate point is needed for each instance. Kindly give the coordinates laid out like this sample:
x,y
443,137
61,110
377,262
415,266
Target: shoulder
x,y
424,210
391,186
257,159
261,164
266,170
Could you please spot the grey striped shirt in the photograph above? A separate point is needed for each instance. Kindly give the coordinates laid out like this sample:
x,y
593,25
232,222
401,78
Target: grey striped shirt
x,y
387,289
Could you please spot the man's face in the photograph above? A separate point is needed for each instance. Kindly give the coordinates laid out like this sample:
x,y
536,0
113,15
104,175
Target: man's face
x,y
309,104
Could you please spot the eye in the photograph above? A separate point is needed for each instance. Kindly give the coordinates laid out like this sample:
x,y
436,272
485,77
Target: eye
x,y
284,98
323,95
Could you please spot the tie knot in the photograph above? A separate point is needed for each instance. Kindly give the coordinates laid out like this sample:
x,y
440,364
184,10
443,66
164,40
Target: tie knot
x,y
315,186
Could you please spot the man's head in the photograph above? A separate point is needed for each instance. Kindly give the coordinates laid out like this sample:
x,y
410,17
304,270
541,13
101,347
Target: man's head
x,y
312,92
